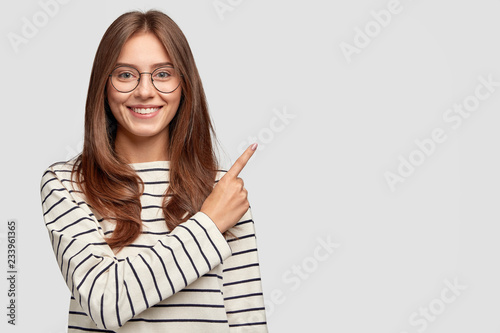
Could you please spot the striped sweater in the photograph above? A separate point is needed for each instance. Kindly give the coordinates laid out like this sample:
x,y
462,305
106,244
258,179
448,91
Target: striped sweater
x,y
189,279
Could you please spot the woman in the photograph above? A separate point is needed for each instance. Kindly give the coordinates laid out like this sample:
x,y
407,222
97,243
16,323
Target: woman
x,y
149,235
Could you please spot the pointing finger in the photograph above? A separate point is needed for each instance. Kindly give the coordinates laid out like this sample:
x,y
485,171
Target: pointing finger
x,y
240,163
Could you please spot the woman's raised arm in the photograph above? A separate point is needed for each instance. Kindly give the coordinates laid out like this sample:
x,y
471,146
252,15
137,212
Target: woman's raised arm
x,y
112,290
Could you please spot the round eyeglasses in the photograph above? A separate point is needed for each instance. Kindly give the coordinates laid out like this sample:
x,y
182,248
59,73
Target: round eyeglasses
x,y
126,78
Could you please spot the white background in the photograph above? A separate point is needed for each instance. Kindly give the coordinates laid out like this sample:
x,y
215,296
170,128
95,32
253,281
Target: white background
x,y
318,177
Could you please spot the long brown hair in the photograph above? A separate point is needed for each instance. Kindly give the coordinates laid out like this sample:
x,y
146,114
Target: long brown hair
x,y
111,186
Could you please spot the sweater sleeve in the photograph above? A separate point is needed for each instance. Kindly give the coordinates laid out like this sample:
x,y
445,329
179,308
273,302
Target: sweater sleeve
x,y
242,287
111,291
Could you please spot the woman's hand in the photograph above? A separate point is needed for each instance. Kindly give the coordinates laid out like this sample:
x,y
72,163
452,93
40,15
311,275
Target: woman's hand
x,y
228,201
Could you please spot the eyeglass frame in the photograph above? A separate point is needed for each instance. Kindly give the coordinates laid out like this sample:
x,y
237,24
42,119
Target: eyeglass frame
x,y
140,76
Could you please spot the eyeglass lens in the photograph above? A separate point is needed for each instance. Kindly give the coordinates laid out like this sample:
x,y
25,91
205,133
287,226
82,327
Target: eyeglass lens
x,y
126,79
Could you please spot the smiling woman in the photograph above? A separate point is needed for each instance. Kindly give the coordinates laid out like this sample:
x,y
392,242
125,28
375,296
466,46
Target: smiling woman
x,y
142,132
149,233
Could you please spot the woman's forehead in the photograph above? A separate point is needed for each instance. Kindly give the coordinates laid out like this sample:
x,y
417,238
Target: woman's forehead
x,y
144,50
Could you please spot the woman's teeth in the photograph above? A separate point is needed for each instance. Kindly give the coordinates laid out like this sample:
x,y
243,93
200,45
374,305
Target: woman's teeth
x,y
144,110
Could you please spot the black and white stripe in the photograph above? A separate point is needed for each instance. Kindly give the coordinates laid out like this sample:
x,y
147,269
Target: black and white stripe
x,y
189,279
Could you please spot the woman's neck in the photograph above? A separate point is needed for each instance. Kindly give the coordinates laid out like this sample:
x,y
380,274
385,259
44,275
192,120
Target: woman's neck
x,y
137,149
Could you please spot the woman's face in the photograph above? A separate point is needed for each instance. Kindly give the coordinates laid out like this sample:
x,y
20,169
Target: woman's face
x,y
143,112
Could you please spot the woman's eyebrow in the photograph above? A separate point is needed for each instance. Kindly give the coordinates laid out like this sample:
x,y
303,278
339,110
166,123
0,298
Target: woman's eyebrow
x,y
153,65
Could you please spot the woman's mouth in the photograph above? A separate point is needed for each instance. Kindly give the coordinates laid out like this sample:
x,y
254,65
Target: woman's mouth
x,y
144,110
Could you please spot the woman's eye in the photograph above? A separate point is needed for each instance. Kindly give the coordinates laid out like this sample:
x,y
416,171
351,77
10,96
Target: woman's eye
x,y
125,75
163,75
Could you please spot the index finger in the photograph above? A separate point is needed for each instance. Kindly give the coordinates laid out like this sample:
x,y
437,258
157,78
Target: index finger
x,y
240,163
